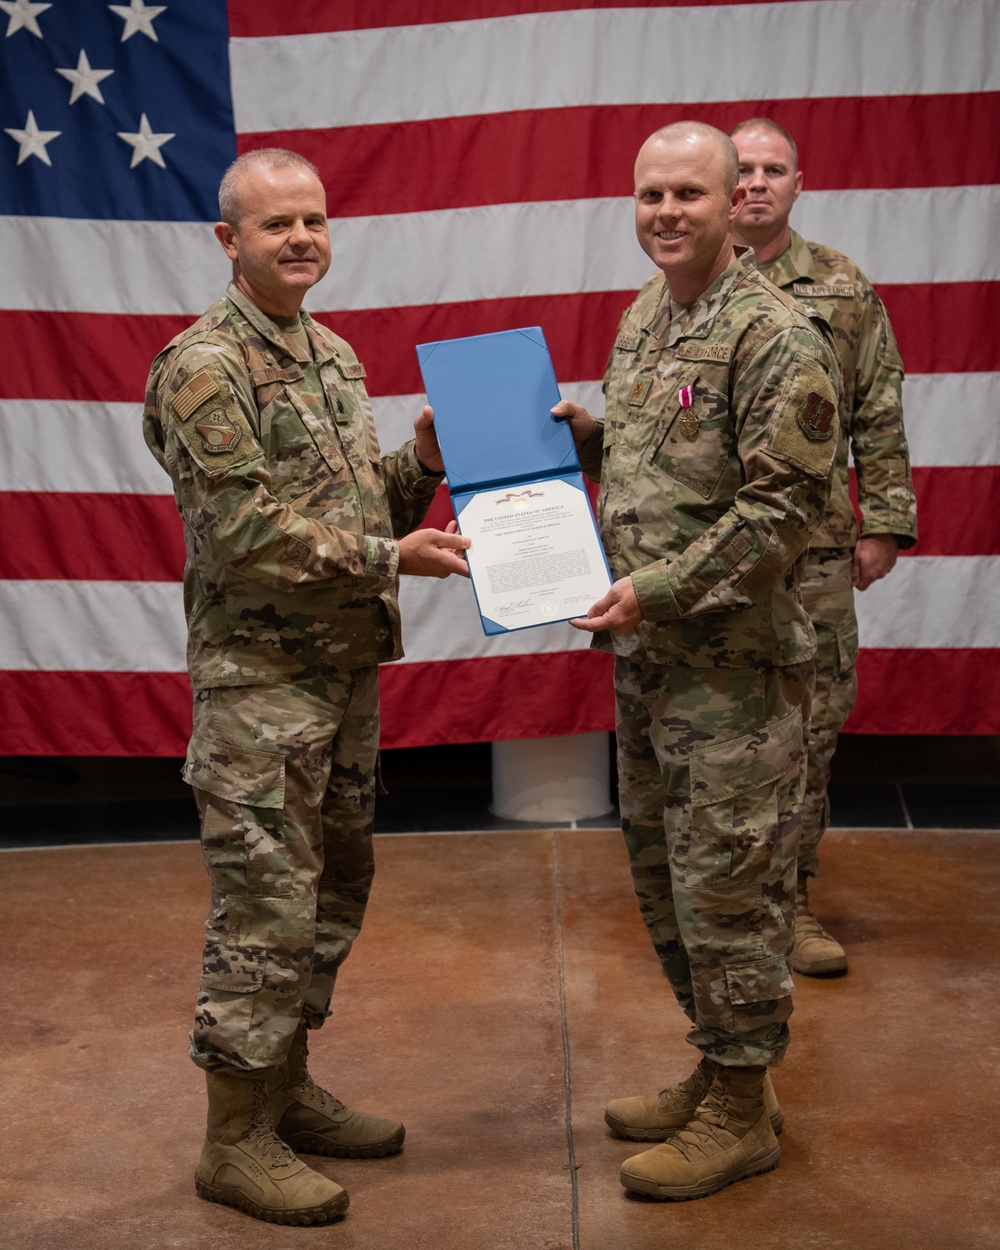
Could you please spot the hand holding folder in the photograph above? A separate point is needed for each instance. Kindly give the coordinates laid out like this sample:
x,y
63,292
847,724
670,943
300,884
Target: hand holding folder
x,y
514,478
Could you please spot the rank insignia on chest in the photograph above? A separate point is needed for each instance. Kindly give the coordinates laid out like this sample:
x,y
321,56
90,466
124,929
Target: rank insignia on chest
x,y
640,389
218,434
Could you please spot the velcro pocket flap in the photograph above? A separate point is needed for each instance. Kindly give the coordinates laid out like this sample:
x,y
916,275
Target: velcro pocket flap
x,y
727,769
253,778
755,981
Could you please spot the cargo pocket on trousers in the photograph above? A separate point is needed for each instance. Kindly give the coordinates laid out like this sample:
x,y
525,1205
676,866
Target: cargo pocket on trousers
x,y
760,991
741,792
241,795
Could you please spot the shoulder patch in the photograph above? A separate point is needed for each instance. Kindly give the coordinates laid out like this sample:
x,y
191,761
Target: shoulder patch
x,y
693,350
218,433
817,418
843,290
194,393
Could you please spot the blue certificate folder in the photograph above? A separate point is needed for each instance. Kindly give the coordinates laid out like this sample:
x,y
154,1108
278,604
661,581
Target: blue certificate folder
x,y
492,395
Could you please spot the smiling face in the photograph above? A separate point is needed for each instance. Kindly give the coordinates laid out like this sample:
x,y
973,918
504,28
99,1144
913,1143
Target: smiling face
x,y
280,244
773,183
684,211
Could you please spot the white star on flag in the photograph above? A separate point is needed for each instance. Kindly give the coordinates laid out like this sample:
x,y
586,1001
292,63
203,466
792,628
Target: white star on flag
x,y
32,140
145,144
85,79
138,18
22,14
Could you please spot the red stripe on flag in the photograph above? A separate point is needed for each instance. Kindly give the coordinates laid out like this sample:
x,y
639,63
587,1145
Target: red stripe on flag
x,y
906,691
87,356
90,537
942,328
946,327
87,713
589,152
250,19
123,538
497,698
957,510
933,691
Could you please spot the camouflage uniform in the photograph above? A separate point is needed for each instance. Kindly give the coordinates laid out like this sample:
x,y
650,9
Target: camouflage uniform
x,y
713,461
871,423
290,587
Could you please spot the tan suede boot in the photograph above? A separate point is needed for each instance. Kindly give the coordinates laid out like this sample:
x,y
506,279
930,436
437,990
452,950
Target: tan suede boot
x,y
729,1138
815,953
244,1165
656,1117
313,1121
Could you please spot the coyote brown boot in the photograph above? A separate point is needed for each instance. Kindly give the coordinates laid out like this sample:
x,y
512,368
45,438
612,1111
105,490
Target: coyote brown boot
x,y
244,1165
656,1117
729,1138
309,1119
815,953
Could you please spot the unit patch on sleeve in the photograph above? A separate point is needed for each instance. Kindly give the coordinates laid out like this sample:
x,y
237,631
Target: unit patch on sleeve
x,y
816,418
218,434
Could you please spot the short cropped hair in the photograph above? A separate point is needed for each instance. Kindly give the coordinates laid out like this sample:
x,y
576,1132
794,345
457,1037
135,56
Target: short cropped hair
x,y
725,145
267,158
765,123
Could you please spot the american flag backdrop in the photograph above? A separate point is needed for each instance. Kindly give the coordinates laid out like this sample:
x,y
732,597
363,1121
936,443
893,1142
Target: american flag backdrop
x,y
477,156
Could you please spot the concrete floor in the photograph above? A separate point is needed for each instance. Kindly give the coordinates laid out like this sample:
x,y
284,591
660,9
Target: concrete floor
x,y
503,989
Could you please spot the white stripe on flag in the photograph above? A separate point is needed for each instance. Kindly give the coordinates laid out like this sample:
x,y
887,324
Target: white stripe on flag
x,y
117,627
950,420
915,235
933,601
139,626
615,56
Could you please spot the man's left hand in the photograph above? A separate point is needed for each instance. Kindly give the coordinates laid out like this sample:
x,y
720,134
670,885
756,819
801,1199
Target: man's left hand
x,y
874,557
428,451
618,611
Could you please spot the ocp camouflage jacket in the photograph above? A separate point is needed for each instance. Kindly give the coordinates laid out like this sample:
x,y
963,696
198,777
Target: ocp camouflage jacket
x,y
713,460
289,509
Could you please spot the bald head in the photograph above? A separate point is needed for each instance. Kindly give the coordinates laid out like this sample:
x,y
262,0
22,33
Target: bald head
x,y
261,160
701,140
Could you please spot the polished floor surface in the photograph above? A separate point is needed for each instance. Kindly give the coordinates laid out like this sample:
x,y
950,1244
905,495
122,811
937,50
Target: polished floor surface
x,y
502,990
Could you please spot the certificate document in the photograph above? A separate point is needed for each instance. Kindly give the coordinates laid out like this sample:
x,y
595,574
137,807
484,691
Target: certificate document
x,y
535,555
514,478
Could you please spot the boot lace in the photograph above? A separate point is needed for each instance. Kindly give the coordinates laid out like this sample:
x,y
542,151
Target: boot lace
x,y
318,1098
262,1135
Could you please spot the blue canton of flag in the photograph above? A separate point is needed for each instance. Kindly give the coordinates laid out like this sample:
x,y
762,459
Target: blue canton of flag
x,y
114,110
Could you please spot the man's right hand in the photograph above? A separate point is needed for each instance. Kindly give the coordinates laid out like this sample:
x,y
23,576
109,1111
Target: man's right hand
x,y
581,423
434,553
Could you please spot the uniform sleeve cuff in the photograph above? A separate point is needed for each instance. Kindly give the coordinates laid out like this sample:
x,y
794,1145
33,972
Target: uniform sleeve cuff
x,y
652,589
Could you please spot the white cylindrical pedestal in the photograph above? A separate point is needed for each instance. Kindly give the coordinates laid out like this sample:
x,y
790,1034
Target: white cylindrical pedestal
x,y
552,779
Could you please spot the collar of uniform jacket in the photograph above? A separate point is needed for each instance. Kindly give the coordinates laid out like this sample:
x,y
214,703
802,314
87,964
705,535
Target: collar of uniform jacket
x,y
696,322
265,327
794,263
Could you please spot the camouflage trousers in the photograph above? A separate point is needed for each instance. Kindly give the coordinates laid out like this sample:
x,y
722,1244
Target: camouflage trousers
x,y
828,597
284,779
711,768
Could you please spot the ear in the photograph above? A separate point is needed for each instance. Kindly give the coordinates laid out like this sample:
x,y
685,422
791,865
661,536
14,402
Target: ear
x,y
736,201
798,185
227,237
